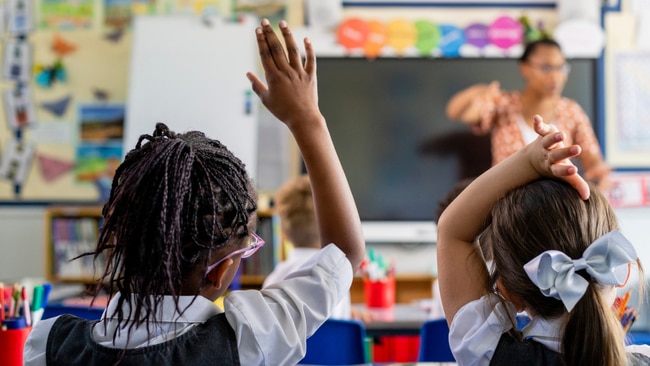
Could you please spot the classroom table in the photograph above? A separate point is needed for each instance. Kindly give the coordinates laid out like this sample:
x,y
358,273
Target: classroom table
x,y
401,319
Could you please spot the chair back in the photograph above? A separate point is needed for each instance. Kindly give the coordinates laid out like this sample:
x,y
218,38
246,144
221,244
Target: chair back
x,y
86,312
337,342
434,342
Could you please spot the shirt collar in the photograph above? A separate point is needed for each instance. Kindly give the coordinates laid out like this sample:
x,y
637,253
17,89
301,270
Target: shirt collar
x,y
193,309
545,331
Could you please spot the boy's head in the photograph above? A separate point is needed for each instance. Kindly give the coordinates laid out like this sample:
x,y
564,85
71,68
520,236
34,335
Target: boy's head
x,y
294,205
177,202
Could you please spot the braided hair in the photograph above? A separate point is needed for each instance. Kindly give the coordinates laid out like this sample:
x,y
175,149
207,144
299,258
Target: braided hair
x,y
174,199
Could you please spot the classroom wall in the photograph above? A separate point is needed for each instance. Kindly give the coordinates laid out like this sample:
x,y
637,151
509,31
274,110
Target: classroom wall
x,y
22,227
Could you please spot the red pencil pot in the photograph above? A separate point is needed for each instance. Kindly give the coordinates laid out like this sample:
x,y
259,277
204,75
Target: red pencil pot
x,y
12,342
379,293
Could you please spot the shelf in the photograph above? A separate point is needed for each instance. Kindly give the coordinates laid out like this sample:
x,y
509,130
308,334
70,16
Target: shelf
x,y
69,232
73,230
408,288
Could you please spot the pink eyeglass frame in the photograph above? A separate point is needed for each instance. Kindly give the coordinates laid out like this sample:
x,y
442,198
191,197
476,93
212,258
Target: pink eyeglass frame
x,y
255,244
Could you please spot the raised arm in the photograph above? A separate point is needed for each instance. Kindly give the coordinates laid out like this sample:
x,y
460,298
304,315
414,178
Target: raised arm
x,y
292,96
461,272
461,106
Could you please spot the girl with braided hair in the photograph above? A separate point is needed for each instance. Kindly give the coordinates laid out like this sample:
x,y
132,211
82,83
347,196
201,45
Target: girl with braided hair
x,y
180,217
556,253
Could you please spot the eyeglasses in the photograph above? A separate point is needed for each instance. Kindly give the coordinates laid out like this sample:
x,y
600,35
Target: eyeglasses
x,y
546,69
254,244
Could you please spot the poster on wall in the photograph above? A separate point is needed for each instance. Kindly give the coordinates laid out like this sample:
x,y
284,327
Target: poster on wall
x,y
120,13
19,109
465,3
66,15
99,152
17,63
628,133
16,161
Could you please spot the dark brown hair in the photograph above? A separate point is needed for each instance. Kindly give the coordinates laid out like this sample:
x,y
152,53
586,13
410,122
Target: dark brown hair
x,y
533,46
549,215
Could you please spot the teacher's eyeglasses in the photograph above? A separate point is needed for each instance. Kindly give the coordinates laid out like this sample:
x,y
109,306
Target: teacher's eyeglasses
x,y
254,244
547,69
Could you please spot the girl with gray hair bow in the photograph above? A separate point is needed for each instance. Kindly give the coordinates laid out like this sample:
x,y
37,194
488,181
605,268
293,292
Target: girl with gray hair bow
x,y
557,254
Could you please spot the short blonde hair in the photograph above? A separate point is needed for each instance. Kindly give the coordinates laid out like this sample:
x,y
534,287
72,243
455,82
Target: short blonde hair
x,y
294,205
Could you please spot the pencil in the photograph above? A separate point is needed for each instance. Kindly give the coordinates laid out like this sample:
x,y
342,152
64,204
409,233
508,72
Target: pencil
x,y
2,303
623,306
27,312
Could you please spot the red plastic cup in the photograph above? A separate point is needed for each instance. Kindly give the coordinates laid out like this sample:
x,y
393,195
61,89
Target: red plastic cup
x,y
379,293
12,343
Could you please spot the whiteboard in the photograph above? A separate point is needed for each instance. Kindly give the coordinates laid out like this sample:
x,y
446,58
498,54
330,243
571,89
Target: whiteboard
x,y
190,73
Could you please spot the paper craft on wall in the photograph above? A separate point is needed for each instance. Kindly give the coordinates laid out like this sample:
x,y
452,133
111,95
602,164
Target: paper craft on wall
x,y
115,35
100,94
500,38
53,168
61,47
57,107
46,76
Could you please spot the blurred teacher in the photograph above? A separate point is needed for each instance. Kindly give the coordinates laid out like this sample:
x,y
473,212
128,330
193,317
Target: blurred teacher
x,y
508,115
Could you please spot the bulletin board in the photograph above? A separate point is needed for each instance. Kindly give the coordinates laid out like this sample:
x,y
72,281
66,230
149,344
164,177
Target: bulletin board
x,y
92,80
68,69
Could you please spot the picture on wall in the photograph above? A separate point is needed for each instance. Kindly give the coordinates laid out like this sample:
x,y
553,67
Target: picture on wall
x,y
64,14
17,63
99,152
16,161
19,108
628,127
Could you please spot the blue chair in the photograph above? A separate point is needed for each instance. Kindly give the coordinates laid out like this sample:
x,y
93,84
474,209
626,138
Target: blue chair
x,y
90,313
337,342
522,321
434,342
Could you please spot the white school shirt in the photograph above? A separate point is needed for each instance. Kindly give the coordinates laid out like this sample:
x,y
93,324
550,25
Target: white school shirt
x,y
271,325
295,259
477,327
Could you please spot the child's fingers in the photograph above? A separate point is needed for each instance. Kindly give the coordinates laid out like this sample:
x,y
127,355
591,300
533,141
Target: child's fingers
x,y
274,52
266,58
292,48
576,181
310,58
563,153
258,86
542,128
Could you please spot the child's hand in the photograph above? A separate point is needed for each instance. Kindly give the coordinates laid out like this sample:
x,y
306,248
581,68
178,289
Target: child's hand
x,y
553,160
291,94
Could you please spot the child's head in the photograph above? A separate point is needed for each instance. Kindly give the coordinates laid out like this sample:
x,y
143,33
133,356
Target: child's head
x,y
550,215
294,205
178,202
446,200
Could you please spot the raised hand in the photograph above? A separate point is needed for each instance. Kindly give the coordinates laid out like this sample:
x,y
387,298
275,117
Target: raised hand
x,y
291,94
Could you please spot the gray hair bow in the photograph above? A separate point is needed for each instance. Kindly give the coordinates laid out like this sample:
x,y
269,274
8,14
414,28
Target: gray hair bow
x,y
605,260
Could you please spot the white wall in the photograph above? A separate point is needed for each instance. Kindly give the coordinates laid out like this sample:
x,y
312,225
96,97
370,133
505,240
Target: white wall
x,y
421,258
22,242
